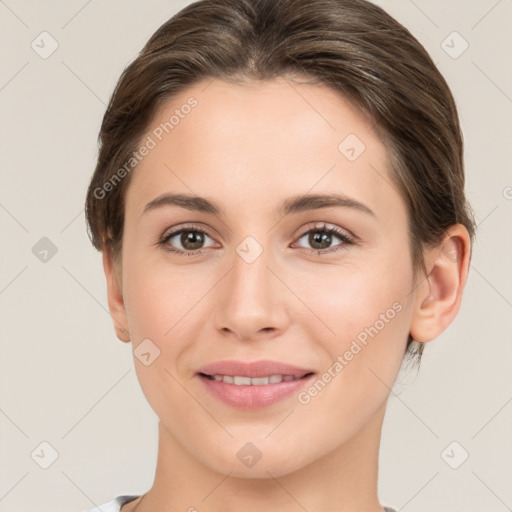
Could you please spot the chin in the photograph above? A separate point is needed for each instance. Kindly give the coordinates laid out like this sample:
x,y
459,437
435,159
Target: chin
x,y
259,459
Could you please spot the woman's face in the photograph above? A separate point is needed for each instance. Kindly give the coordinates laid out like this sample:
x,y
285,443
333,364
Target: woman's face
x,y
261,279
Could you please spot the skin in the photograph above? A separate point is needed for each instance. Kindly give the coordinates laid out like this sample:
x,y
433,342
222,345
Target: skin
x,y
248,148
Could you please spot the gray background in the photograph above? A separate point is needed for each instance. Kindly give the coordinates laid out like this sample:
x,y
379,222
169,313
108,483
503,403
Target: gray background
x,y
66,380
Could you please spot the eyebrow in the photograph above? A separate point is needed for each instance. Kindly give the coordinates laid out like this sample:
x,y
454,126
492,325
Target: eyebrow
x,y
294,204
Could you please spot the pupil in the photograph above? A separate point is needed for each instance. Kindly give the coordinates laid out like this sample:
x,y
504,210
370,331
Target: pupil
x,y
191,237
318,237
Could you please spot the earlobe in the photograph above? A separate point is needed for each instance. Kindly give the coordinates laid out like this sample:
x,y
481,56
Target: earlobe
x,y
439,296
115,297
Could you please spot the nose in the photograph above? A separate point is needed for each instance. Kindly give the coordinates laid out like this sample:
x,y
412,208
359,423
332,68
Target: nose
x,y
252,302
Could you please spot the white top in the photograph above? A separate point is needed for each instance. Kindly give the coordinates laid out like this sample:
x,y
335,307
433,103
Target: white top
x,y
116,504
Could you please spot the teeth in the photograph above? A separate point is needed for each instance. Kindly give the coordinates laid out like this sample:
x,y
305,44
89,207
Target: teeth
x,y
241,381
259,381
255,381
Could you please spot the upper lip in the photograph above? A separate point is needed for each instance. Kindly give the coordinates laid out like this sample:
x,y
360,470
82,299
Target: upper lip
x,y
254,369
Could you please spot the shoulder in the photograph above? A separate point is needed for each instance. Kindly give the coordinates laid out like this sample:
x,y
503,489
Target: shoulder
x,y
113,505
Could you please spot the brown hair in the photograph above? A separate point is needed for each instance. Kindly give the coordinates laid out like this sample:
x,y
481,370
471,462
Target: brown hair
x,y
352,46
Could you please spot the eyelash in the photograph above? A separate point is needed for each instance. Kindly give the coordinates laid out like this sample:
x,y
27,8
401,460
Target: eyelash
x,y
344,237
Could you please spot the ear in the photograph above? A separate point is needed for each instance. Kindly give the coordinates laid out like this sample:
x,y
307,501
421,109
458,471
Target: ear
x,y
115,296
439,295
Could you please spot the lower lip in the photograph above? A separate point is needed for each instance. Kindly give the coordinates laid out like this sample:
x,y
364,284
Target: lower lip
x,y
253,397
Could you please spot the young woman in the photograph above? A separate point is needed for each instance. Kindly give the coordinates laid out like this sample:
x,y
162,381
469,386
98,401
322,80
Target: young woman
x,y
279,201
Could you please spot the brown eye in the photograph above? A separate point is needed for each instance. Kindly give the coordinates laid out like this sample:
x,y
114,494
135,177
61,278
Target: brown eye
x,y
185,241
191,240
321,238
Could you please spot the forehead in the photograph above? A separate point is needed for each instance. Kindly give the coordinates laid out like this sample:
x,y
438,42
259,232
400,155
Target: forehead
x,y
254,144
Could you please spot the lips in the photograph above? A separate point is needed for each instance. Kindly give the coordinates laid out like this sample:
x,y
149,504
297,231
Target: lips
x,y
251,385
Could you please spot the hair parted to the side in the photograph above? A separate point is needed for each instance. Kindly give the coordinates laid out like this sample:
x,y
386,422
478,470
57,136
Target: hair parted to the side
x,y
352,46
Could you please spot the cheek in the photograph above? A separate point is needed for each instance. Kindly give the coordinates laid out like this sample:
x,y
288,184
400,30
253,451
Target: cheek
x,y
362,350
167,306
363,316
350,299
161,308
158,299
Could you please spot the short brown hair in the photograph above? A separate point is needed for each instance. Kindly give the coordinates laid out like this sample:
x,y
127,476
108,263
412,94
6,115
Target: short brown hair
x,y
352,46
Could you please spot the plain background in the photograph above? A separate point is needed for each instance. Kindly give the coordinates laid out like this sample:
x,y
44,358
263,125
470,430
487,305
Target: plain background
x,y
66,380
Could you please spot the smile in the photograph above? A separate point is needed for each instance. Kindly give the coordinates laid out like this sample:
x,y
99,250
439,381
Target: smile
x,y
240,380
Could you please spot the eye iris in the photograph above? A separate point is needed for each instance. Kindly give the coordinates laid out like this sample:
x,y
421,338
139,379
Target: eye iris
x,y
195,238
317,237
